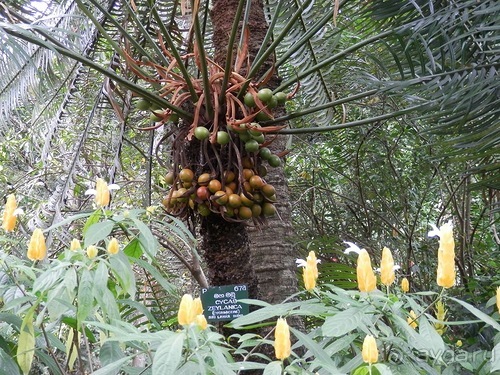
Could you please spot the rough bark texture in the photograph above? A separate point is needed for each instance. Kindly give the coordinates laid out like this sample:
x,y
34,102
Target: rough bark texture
x,y
271,254
227,253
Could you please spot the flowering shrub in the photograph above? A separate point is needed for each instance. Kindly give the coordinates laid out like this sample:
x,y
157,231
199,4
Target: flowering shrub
x,y
70,310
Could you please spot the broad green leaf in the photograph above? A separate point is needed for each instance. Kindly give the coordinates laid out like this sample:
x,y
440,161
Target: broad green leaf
x,y
110,352
273,368
107,302
495,358
71,219
263,314
7,365
485,318
169,355
323,358
26,342
121,268
98,232
159,278
93,219
343,322
430,338
85,296
112,368
47,280
146,237
363,370
134,249
383,369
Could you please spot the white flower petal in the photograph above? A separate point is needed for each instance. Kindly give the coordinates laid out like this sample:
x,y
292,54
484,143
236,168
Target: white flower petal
x,y
113,187
300,262
18,212
352,248
91,192
434,232
396,267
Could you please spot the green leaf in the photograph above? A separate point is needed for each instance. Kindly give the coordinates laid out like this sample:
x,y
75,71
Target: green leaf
x,y
343,322
85,296
382,369
7,365
485,318
147,239
169,354
97,232
121,268
112,368
495,358
318,352
71,322
93,219
134,249
26,342
110,352
265,313
273,368
434,344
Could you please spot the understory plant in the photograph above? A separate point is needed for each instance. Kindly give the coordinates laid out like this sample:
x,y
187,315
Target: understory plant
x,y
84,309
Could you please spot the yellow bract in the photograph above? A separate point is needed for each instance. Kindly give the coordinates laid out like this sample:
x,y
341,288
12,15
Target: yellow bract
x,y
9,217
113,246
201,321
37,249
102,195
440,315
405,285
367,281
387,275
446,257
75,245
498,299
282,344
369,351
412,320
92,251
309,278
191,311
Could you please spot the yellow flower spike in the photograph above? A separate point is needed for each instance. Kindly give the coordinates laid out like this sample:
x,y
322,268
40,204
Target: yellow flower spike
x,y
310,273
282,343
186,314
113,246
37,249
102,195
92,251
367,281
459,343
312,262
75,245
9,214
387,274
405,285
101,192
412,319
201,321
440,315
369,351
309,278
446,255
197,306
498,299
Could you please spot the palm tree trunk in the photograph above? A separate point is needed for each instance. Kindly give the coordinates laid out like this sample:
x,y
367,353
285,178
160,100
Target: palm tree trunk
x,y
265,250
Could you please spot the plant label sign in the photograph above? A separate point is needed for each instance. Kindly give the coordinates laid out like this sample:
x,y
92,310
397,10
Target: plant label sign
x,y
221,303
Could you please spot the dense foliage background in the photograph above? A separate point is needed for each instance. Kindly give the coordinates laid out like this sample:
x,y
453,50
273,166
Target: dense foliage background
x,y
394,127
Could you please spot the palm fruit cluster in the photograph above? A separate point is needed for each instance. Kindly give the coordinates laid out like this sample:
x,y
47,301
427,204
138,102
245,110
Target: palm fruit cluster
x,y
231,181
